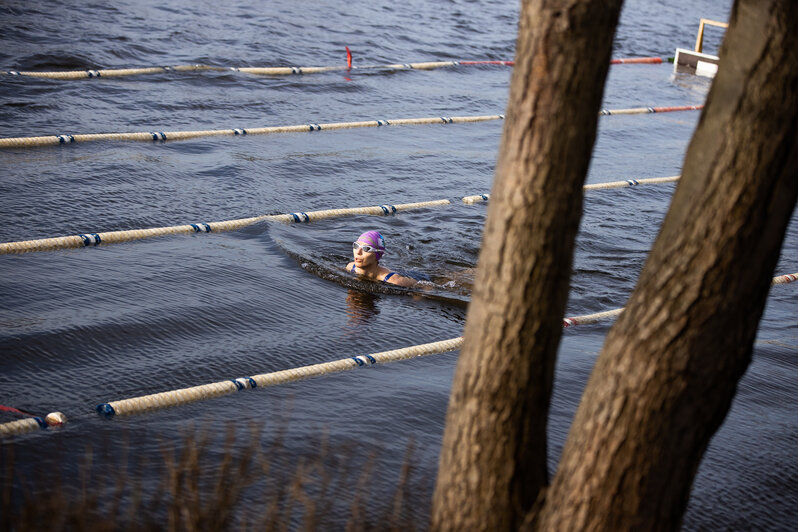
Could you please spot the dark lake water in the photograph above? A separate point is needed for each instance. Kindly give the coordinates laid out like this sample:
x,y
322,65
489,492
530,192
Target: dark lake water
x,y
86,326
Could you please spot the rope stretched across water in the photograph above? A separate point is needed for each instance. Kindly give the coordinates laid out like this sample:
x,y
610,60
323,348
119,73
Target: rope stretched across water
x,y
643,110
786,278
110,72
279,71
600,316
51,140
636,61
183,396
264,71
115,237
426,65
150,136
207,391
21,426
147,403
596,186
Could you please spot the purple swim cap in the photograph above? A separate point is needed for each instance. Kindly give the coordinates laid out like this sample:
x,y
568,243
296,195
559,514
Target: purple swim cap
x,y
375,240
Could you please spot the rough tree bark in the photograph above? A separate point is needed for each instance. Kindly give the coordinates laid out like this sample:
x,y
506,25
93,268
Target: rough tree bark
x,y
493,460
668,371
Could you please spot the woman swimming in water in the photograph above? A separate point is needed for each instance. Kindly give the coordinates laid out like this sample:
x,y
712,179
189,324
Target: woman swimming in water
x,y
368,249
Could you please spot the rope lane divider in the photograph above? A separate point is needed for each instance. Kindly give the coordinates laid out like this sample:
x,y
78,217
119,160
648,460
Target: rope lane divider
x,y
637,61
591,318
111,72
607,314
163,136
427,65
51,140
643,110
161,400
30,424
785,279
207,391
280,71
470,200
147,403
116,237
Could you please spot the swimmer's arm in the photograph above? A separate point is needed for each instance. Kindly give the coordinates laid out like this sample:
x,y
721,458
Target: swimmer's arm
x,y
401,280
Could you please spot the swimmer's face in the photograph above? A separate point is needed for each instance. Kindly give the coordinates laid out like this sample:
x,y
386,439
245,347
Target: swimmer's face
x,y
363,258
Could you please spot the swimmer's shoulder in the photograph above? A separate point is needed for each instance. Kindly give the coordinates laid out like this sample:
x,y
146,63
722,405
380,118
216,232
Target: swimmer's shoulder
x,y
398,279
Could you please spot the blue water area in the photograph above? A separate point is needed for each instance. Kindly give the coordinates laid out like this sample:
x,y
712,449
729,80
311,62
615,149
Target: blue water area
x,y
85,326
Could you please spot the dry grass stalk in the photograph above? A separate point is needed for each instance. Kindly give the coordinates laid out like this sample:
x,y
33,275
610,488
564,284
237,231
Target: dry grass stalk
x,y
202,484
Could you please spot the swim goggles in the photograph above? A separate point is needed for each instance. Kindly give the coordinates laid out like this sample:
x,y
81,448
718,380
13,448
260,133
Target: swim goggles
x,y
365,247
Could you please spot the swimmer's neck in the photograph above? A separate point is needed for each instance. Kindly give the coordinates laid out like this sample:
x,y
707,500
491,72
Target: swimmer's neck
x,y
371,271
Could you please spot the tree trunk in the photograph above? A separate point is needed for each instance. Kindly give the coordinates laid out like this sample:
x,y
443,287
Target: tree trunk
x,y
668,371
493,460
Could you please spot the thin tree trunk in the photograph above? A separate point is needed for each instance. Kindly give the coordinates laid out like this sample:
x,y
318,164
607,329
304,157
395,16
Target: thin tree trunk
x,y
668,371
493,460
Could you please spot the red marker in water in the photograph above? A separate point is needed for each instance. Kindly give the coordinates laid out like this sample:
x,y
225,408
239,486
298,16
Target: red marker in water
x,y
348,58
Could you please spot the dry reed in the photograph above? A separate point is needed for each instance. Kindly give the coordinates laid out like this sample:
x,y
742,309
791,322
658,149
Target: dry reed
x,y
210,482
